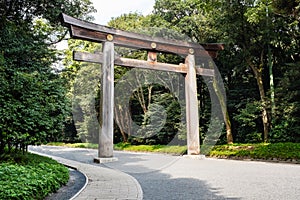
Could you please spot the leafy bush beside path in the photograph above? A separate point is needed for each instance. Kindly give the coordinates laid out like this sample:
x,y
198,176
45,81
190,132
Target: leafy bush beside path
x,y
30,176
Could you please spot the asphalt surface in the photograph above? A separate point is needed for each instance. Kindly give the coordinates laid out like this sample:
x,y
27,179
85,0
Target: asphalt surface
x,y
176,177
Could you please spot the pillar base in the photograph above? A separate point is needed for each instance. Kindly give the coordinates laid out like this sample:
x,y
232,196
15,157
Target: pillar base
x,y
196,157
105,160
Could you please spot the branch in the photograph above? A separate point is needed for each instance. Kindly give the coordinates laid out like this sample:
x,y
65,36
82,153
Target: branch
x,y
60,39
252,66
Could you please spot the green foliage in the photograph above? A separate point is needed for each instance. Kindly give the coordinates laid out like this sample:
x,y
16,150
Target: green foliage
x,y
74,145
248,121
287,7
171,149
162,121
192,17
254,31
276,151
84,100
176,150
286,120
33,95
30,176
32,109
83,84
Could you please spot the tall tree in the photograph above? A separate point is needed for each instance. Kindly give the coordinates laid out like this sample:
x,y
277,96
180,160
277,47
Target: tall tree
x,y
33,103
261,39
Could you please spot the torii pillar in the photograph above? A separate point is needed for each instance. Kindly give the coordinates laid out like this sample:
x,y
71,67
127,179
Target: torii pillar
x,y
192,118
105,147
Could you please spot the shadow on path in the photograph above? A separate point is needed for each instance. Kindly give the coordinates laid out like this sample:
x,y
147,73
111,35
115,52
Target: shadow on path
x,y
162,186
157,185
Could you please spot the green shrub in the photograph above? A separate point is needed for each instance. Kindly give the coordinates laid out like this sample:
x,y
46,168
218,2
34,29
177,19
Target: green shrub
x,y
30,176
280,151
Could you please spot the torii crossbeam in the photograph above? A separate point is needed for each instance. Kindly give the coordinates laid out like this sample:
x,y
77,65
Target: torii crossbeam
x,y
110,37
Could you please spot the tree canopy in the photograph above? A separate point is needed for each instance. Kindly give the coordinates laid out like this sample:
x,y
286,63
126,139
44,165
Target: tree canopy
x,y
33,102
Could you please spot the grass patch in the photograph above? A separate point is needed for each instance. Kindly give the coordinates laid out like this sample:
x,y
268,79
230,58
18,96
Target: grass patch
x,y
176,150
266,151
30,176
74,145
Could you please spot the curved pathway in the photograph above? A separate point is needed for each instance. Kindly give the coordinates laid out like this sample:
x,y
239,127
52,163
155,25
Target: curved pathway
x,y
176,177
103,183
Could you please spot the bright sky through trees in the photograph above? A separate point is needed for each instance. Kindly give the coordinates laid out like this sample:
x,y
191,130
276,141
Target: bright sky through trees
x,y
106,9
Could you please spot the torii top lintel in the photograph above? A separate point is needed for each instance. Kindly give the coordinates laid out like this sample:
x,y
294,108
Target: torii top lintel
x,y
97,33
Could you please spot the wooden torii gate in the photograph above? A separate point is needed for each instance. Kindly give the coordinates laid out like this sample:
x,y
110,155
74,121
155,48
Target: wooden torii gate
x,y
110,37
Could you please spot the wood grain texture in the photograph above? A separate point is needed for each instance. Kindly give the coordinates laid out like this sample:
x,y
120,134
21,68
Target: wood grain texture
x,y
192,119
107,102
126,62
97,33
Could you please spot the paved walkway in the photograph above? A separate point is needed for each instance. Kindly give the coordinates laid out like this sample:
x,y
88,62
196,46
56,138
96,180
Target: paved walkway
x,y
103,183
175,177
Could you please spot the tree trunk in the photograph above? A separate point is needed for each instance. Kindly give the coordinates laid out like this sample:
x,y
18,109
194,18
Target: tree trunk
x,y
265,118
121,119
226,118
229,136
272,89
258,75
224,112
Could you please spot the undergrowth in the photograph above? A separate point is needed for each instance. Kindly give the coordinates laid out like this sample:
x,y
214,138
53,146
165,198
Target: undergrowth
x,y
30,176
280,151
